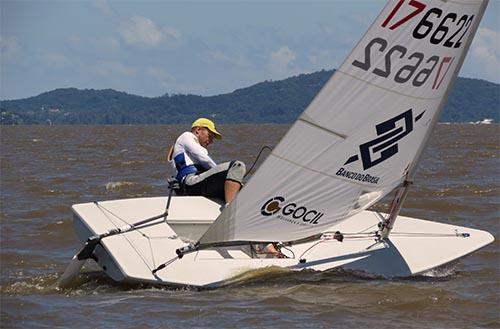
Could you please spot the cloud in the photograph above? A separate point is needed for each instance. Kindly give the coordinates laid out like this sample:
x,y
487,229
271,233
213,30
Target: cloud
x,y
57,60
281,64
9,47
142,32
93,45
220,57
112,69
106,44
282,58
486,50
171,33
319,59
159,74
103,7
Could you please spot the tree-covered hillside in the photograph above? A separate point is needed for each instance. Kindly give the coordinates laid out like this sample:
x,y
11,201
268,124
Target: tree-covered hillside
x,y
270,102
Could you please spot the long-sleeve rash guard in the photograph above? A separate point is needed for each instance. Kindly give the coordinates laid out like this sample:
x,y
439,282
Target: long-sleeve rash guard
x,y
188,153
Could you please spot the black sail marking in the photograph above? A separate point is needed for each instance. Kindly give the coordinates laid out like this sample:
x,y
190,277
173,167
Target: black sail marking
x,y
352,159
419,116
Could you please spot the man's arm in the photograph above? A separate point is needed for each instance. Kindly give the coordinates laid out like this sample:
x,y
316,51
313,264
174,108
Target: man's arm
x,y
198,153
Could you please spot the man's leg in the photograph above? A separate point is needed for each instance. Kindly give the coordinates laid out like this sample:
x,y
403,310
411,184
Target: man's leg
x,y
234,180
223,181
231,188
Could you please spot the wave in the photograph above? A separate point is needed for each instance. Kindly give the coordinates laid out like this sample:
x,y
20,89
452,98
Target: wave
x,y
115,186
445,271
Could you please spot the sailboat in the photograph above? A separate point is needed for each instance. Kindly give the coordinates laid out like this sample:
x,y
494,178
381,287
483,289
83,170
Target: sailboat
x,y
360,139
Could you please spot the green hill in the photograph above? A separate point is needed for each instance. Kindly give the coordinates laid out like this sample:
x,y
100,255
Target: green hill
x,y
266,102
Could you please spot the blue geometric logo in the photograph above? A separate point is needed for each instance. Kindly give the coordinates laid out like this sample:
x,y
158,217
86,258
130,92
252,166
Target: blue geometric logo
x,y
385,145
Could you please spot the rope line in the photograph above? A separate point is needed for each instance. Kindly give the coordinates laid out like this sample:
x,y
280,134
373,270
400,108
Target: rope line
x,y
139,253
257,158
334,236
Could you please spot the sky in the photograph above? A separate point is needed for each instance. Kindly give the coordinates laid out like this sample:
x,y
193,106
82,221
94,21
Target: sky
x,y
151,48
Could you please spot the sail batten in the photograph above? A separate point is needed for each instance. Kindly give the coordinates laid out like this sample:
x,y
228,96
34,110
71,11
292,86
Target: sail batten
x,y
319,172
362,136
388,89
322,128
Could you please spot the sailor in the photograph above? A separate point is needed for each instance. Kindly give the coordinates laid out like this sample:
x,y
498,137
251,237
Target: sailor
x,y
195,170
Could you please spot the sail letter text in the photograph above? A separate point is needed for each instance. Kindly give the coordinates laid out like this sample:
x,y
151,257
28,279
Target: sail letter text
x,y
290,212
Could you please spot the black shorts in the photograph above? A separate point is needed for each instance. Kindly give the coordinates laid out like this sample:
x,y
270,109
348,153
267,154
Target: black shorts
x,y
211,182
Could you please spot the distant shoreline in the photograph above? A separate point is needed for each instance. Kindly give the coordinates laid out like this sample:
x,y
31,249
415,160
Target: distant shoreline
x,y
471,100
223,124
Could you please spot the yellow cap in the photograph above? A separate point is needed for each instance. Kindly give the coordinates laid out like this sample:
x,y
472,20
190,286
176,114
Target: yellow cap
x,y
209,124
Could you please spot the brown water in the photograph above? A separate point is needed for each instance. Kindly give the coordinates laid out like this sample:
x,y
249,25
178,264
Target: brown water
x,y
46,169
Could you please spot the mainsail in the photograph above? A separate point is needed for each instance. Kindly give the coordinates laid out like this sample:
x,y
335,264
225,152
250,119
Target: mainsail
x,y
364,132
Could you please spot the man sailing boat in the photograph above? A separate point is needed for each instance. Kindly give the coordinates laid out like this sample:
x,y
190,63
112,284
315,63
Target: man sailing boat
x,y
197,172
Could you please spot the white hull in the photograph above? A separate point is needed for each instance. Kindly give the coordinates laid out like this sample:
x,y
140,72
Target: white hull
x,y
414,246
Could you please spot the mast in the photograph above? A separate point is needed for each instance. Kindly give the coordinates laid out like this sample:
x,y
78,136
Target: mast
x,y
386,226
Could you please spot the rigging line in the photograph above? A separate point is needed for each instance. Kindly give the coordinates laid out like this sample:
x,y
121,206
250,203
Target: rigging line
x,y
257,158
290,250
357,237
158,237
305,251
333,238
342,237
139,253
373,233
387,89
139,228
322,128
103,209
374,225
402,234
430,234
151,250
163,265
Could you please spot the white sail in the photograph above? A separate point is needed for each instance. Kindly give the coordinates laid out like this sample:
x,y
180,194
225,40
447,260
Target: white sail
x,y
362,133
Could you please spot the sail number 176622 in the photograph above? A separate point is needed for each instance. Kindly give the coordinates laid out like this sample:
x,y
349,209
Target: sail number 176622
x,y
435,22
416,67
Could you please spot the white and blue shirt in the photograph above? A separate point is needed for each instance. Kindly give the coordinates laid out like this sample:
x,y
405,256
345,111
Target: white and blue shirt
x,y
189,156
